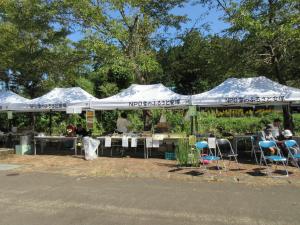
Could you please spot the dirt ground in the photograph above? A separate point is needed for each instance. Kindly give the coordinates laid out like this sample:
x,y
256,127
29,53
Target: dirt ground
x,y
248,173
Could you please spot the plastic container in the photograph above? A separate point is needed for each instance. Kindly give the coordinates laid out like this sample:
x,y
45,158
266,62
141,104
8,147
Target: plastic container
x,y
24,150
25,140
170,156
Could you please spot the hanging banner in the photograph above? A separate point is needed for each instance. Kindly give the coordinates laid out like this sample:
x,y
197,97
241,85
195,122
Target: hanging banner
x,y
9,115
192,110
90,115
107,142
73,110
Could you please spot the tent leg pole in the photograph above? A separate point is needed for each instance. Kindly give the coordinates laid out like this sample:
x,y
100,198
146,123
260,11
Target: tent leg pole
x,y
34,122
192,124
50,123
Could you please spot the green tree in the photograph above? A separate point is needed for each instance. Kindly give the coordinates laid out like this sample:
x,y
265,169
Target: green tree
x,y
200,63
269,31
35,50
124,31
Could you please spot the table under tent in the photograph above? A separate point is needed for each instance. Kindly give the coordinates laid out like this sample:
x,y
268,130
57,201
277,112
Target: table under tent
x,y
247,92
155,96
74,100
9,135
58,99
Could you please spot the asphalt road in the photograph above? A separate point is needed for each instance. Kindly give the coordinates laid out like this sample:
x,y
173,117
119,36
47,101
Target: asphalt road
x,y
42,199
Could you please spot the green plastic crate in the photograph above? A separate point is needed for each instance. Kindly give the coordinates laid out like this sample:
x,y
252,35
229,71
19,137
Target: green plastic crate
x,y
24,150
170,156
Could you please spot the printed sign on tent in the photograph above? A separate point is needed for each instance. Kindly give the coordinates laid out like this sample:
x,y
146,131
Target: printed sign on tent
x,y
90,115
9,115
211,142
125,142
74,110
133,142
155,143
107,142
192,110
149,142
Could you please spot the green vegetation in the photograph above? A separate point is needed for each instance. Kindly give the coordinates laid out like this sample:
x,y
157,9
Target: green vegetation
x,y
186,155
220,123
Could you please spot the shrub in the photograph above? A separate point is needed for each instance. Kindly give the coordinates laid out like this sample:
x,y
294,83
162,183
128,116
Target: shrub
x,y
185,154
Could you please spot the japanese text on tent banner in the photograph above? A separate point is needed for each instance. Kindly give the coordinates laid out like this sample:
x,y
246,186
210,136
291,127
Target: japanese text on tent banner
x,y
48,106
254,99
154,103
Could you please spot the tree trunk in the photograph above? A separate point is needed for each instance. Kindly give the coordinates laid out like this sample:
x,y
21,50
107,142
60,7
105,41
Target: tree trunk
x,y
287,117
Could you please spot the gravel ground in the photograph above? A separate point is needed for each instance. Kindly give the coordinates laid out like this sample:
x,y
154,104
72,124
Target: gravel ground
x,y
150,168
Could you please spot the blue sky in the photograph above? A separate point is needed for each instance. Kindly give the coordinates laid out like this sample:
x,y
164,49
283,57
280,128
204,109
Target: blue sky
x,y
204,15
197,14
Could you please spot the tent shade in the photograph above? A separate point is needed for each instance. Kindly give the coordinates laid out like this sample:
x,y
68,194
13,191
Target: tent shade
x,y
9,98
142,96
247,92
58,100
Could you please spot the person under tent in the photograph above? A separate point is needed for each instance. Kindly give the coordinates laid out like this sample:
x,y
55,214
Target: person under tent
x,y
81,131
123,123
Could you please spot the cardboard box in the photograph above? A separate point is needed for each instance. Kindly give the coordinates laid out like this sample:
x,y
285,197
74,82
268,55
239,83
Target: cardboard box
x,y
24,150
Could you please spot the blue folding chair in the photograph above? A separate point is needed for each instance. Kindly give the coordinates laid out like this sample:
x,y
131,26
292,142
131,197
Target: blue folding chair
x,y
200,146
264,146
293,149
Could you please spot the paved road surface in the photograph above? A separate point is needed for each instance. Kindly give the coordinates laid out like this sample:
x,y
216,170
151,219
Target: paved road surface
x,y
42,199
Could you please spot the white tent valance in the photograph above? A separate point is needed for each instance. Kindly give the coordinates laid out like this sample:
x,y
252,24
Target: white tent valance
x,y
247,91
142,96
9,98
59,99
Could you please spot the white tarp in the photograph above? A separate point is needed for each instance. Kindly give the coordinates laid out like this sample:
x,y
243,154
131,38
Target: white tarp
x,y
9,98
247,91
59,99
90,146
142,96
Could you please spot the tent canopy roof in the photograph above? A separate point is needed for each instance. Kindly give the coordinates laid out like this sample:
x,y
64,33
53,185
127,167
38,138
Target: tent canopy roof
x,y
142,96
7,97
247,91
64,96
57,99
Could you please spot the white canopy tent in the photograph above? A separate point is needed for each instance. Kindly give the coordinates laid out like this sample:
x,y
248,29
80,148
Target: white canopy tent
x,y
141,97
9,98
59,99
247,92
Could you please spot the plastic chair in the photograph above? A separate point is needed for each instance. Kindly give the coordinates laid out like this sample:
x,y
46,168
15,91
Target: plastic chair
x,y
263,146
292,148
225,148
210,157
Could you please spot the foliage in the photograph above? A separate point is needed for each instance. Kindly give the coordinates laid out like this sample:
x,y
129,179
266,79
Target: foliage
x,y
270,30
36,50
211,122
85,84
200,63
182,152
126,28
185,154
